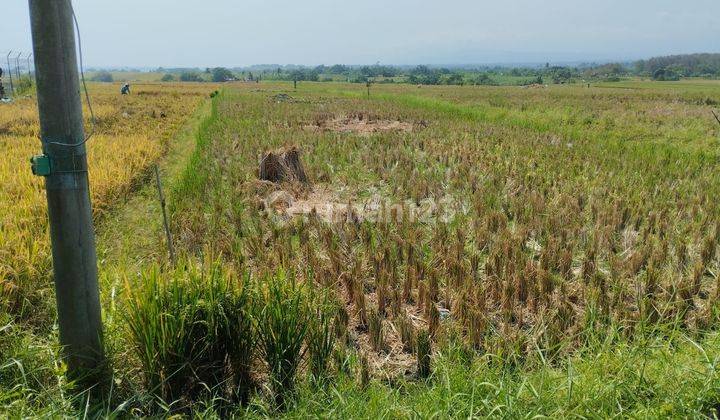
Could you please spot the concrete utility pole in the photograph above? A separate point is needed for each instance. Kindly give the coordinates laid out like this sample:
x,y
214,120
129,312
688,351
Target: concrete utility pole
x,y
12,88
64,166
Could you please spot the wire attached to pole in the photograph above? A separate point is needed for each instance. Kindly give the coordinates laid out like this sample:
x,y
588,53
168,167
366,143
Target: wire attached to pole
x,y
82,78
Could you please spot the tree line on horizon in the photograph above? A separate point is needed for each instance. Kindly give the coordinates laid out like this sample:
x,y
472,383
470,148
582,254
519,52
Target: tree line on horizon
x,y
658,68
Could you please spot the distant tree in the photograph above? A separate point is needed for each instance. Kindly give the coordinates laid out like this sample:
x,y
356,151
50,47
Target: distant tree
x,y
366,71
221,74
484,79
683,65
296,75
190,76
455,79
311,75
338,69
665,74
103,76
304,74
607,72
534,81
560,74
425,76
167,78
421,70
430,79
358,78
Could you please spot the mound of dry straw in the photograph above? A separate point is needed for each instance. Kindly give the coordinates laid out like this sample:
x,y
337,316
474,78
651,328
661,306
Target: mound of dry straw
x,y
283,165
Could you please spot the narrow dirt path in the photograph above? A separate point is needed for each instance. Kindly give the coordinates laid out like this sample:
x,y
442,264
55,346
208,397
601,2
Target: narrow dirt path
x,y
133,235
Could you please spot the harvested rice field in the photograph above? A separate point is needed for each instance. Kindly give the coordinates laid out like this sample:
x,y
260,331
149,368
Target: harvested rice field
x,y
444,251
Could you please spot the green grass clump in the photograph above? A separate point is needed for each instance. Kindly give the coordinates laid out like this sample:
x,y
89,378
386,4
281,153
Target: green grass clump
x,y
282,325
424,354
185,326
321,338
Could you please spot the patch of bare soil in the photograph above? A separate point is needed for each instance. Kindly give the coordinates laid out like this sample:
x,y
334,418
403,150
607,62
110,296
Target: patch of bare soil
x,y
361,123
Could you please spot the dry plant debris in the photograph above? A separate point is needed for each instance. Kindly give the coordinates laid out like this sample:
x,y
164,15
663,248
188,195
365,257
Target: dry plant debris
x,y
360,123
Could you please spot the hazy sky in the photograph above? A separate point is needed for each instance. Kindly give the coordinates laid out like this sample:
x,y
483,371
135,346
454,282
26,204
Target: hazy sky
x,y
234,33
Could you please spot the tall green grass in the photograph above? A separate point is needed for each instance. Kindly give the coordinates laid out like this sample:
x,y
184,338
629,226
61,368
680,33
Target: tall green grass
x,y
199,330
192,332
283,322
322,335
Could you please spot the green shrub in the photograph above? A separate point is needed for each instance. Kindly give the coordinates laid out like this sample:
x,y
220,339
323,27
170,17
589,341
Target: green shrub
x,y
23,85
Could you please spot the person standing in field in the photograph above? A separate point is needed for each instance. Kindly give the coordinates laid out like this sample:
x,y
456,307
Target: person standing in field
x,y
125,90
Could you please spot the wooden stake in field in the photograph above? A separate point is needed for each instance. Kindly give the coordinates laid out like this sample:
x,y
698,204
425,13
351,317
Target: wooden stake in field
x,y
161,197
64,166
